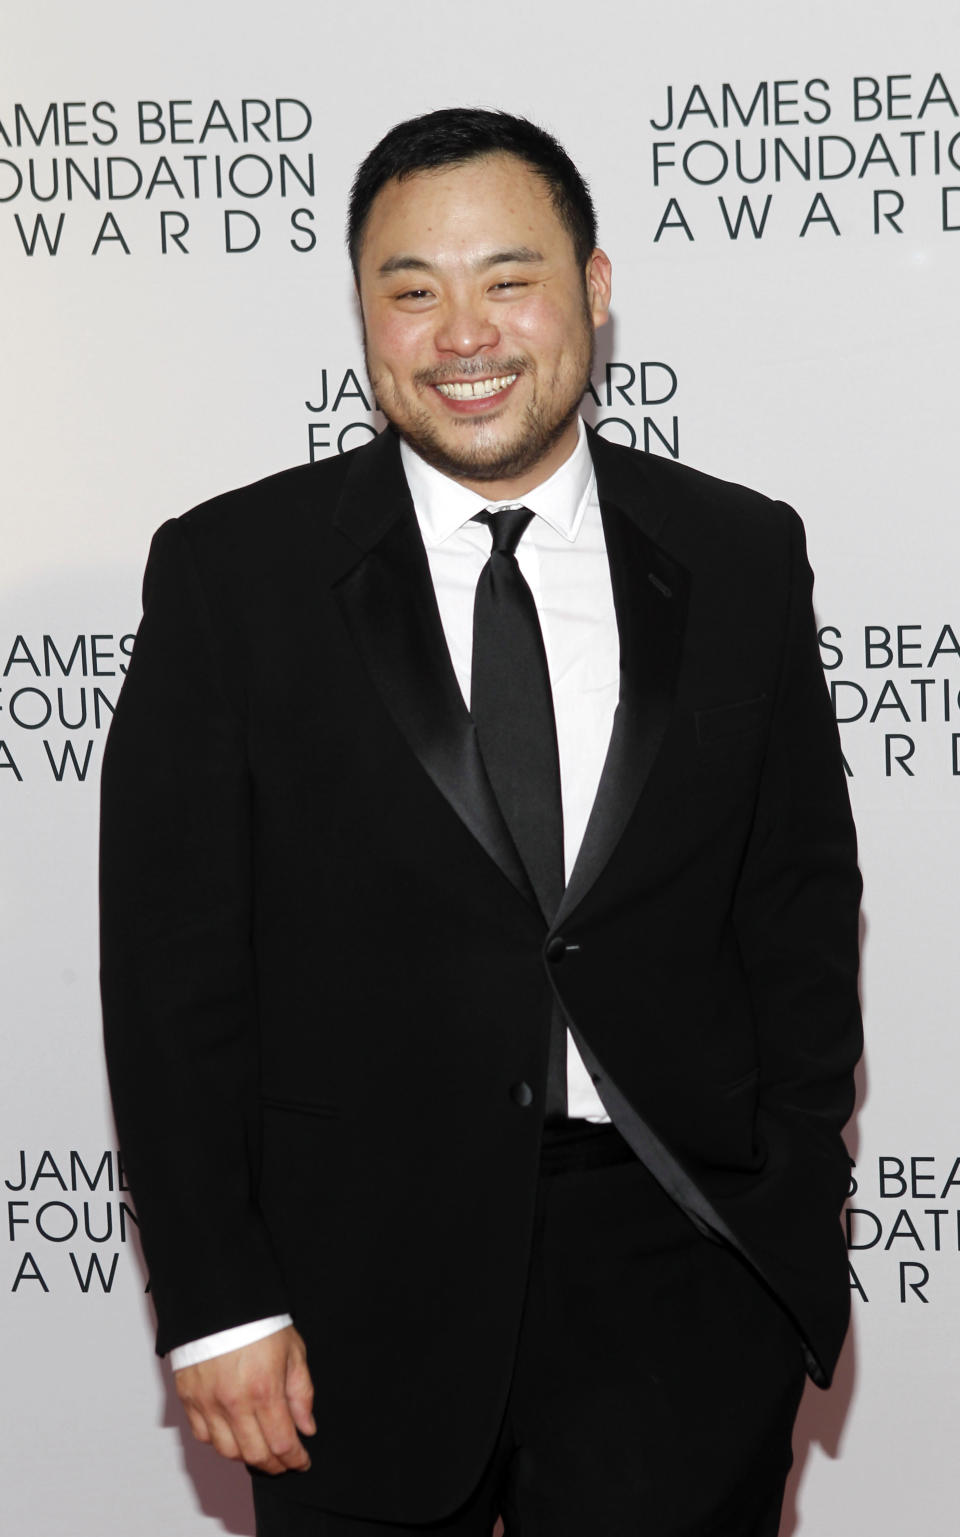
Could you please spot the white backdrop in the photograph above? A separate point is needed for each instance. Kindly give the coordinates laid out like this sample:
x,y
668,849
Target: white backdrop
x,y
192,327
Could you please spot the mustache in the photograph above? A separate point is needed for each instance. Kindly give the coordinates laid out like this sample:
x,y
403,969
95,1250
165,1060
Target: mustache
x,y
476,369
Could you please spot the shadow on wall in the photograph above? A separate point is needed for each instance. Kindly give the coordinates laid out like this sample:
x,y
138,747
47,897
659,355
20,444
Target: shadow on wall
x,y
222,1489
822,1416
820,1422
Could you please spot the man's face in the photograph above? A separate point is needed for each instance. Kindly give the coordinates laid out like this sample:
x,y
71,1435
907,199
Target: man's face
x,y
479,322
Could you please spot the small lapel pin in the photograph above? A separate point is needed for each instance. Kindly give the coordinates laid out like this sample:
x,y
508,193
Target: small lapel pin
x,y
660,586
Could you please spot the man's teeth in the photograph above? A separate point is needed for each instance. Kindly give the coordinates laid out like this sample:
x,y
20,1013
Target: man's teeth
x,y
476,389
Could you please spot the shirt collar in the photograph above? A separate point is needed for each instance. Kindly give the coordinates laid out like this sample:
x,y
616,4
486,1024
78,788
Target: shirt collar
x,y
443,505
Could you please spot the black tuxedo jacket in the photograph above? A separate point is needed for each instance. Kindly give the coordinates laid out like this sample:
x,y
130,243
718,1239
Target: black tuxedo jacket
x,y
326,978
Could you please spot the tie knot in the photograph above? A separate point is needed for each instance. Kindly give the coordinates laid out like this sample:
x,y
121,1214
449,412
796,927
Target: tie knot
x,y
507,527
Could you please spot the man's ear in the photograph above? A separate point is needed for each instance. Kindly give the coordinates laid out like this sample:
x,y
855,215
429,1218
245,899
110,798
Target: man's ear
x,y
598,280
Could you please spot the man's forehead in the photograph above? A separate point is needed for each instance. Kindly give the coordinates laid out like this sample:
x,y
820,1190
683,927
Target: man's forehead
x,y
496,162
419,198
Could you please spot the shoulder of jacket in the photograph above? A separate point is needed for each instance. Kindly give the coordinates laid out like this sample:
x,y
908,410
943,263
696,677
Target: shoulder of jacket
x,y
305,493
697,513
682,486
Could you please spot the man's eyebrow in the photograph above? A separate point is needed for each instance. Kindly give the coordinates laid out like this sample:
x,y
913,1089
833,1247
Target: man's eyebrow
x,y
519,253
403,262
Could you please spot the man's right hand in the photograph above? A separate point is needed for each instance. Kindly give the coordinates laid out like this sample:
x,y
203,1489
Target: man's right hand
x,y
250,1403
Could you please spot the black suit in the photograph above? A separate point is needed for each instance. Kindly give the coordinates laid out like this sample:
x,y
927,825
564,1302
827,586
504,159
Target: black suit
x,y
326,978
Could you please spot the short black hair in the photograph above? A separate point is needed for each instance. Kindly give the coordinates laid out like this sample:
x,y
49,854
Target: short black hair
x,y
455,135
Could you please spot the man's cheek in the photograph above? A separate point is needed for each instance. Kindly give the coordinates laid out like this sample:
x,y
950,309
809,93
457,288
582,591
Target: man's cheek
x,y
537,320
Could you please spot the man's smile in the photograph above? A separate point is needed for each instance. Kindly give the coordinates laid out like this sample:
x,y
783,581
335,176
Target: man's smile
x,y
476,389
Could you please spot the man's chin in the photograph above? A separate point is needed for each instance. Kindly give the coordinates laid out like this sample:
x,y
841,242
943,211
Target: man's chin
x,y
483,462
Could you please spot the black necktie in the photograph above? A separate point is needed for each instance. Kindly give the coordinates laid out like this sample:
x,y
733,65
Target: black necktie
x,y
512,707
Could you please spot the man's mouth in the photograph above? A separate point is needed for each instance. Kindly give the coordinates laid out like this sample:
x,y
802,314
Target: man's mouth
x,y
476,389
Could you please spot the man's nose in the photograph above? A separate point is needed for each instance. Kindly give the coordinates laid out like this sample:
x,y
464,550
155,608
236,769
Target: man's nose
x,y
464,330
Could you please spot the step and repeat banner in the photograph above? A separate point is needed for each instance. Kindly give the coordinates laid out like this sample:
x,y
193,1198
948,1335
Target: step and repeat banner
x,y
779,191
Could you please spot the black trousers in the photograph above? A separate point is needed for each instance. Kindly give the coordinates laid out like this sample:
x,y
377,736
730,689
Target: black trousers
x,y
656,1381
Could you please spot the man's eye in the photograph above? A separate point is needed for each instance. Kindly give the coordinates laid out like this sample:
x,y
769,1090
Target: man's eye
x,y
415,293
510,283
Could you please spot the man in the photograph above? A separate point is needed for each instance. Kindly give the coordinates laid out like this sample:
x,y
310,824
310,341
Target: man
x,y
480,925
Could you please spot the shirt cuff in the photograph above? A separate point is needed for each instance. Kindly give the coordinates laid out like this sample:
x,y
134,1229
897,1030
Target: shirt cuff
x,y
218,1344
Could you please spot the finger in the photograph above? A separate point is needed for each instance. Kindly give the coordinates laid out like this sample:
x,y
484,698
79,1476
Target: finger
x,y
280,1435
223,1438
252,1445
197,1423
299,1389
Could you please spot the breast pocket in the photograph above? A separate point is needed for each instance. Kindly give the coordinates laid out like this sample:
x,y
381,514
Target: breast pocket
x,y
730,743
728,722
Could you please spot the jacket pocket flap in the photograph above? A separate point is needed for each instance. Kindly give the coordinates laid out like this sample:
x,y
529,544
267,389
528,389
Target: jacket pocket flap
x,y
301,1106
725,721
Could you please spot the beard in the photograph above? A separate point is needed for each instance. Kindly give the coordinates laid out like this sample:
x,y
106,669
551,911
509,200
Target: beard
x,y
480,459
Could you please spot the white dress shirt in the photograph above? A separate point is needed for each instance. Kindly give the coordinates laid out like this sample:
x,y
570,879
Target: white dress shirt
x,y
563,558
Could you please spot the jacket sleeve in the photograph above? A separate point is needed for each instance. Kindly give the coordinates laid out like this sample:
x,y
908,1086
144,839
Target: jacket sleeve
x,y
796,917
177,973
798,898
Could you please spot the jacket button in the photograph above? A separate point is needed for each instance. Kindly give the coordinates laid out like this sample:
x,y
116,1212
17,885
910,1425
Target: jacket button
x,y
556,948
521,1094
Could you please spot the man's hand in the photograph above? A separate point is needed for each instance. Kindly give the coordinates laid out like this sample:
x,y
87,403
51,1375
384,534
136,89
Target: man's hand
x,y
250,1403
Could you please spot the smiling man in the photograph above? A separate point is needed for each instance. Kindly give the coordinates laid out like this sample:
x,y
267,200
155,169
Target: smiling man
x,y
496,968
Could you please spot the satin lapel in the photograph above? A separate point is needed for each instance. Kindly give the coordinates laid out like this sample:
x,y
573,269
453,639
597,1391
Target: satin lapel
x,y
650,593
387,599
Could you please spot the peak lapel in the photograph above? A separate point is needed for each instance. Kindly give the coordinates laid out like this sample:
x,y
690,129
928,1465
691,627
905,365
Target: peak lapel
x,y
385,593
650,592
